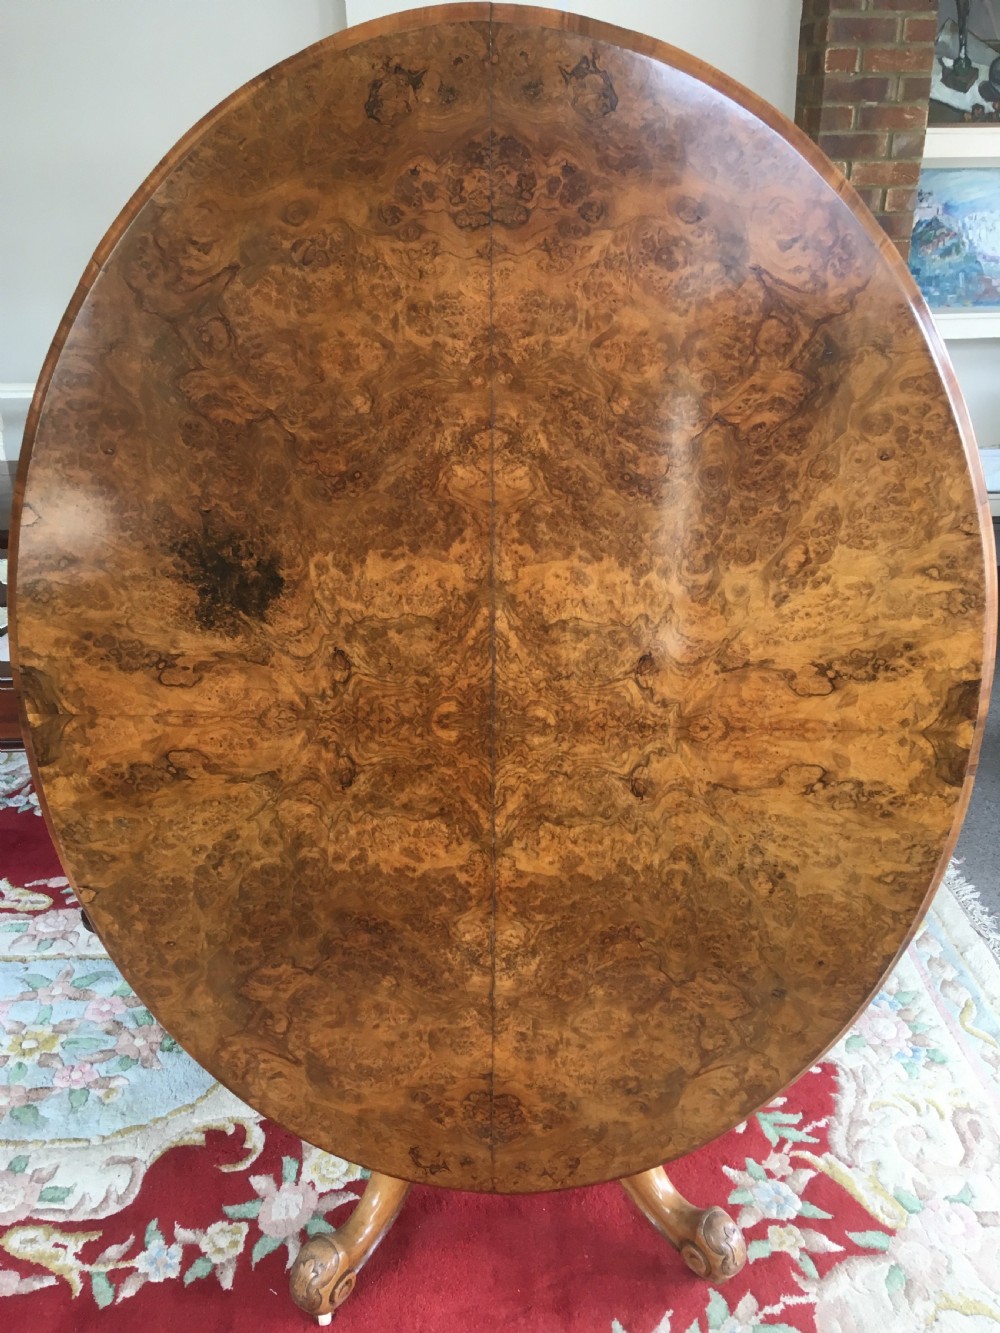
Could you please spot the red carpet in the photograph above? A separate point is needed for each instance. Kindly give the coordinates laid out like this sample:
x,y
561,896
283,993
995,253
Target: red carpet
x,y
576,1260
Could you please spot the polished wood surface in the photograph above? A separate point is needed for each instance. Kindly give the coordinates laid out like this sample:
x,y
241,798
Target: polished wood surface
x,y
501,602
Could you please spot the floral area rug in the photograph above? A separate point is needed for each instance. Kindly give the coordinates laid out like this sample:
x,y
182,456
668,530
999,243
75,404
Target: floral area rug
x,y
136,1193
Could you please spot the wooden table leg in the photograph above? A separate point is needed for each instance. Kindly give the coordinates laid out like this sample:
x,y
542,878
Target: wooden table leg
x,y
709,1241
327,1267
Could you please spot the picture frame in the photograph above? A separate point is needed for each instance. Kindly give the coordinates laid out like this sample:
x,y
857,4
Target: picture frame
x,y
962,147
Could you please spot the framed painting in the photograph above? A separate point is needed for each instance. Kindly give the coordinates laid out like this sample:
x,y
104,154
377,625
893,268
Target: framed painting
x,y
965,84
955,249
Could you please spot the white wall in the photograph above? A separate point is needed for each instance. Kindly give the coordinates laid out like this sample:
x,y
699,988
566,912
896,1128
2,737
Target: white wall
x,y
753,41
977,365
91,97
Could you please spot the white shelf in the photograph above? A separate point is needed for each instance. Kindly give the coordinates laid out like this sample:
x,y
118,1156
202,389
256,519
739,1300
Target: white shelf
x,y
962,146
953,324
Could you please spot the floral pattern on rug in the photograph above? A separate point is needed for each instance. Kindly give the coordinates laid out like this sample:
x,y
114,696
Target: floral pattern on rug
x,y
72,1037
284,1208
868,1193
92,1090
914,1139
16,790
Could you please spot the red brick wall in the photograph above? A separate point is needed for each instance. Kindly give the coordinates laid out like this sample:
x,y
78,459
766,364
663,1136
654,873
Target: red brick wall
x,y
864,84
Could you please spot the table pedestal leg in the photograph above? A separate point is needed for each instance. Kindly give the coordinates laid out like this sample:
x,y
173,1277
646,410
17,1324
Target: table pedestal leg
x,y
327,1267
709,1241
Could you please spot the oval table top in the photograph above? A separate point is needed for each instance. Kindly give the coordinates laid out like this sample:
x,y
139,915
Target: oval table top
x,y
501,601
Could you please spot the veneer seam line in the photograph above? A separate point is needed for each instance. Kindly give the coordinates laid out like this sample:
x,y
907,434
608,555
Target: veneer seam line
x,y
491,335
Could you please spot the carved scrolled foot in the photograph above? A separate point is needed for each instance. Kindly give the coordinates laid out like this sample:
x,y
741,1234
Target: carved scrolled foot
x,y
718,1250
327,1267
709,1241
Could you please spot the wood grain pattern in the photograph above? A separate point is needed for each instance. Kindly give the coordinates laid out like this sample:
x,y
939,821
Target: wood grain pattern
x,y
525,594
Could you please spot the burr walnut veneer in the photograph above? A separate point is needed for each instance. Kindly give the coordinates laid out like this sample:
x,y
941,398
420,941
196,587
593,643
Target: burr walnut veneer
x,y
501,600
